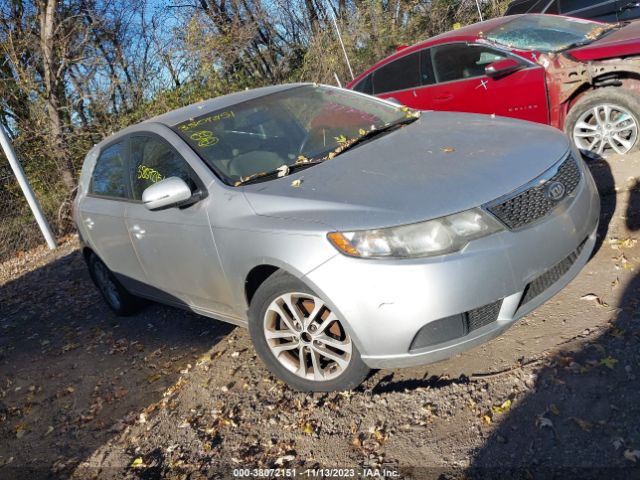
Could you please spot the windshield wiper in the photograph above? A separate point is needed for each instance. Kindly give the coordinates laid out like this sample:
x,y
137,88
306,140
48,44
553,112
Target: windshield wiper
x,y
281,171
349,144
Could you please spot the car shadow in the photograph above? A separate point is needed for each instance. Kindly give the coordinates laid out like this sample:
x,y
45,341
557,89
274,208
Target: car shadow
x,y
72,374
602,174
580,417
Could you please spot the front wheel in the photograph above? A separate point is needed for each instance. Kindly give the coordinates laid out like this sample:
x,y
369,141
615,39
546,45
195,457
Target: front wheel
x,y
301,340
605,121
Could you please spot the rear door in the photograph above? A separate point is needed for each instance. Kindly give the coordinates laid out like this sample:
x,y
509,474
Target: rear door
x,y
398,80
175,245
101,212
461,85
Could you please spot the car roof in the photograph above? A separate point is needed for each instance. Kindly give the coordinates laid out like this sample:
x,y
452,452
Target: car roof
x,y
179,115
174,117
464,34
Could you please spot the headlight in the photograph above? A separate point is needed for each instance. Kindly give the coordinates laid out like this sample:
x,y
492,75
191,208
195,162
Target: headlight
x,y
425,239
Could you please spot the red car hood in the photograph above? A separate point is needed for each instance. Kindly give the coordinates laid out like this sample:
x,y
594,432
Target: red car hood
x,y
621,43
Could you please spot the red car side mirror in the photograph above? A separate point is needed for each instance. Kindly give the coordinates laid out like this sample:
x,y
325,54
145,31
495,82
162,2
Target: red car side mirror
x,y
502,68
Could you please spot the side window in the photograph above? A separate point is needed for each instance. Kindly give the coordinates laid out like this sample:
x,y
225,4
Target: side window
x,y
365,85
427,76
108,175
152,160
400,74
568,6
459,61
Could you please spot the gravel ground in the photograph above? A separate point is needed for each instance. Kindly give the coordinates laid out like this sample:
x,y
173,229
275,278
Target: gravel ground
x,y
167,393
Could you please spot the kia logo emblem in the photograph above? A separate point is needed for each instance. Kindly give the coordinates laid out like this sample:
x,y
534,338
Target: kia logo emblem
x,y
555,191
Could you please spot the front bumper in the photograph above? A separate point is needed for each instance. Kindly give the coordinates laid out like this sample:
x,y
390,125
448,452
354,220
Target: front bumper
x,y
384,303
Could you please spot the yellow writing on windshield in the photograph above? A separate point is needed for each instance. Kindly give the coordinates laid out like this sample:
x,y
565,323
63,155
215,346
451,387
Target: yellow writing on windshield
x,y
203,121
205,138
148,173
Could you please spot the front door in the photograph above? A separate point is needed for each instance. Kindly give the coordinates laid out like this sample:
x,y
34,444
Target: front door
x,y
461,84
175,245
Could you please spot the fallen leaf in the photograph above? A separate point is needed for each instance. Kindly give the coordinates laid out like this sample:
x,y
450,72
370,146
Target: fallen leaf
x,y
138,463
632,455
21,429
544,422
447,149
503,407
589,296
308,428
285,459
554,409
609,362
486,419
584,425
154,378
49,430
296,183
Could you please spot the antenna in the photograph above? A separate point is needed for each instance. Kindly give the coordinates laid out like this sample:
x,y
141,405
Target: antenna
x,y
479,11
346,57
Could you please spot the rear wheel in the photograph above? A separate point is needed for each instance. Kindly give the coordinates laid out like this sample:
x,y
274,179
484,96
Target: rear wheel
x,y
605,121
301,340
121,302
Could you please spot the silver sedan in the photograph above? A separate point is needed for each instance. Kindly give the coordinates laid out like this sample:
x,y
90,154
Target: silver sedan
x,y
347,233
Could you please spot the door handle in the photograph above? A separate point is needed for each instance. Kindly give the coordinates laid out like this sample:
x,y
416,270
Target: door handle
x,y
443,98
138,232
89,223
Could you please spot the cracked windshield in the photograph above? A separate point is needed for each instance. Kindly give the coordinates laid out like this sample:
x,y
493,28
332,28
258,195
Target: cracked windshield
x,y
547,33
285,129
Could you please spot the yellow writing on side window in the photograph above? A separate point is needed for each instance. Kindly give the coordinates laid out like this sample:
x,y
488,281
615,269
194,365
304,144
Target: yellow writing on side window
x,y
210,119
148,173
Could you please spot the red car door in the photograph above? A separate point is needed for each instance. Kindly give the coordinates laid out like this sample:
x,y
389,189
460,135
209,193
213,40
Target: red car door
x,y
461,85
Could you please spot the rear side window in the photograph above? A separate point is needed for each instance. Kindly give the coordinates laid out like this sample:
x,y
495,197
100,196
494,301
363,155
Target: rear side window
x,y
365,85
152,160
399,74
108,178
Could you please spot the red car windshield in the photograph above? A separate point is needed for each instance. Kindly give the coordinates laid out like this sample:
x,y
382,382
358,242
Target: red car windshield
x,y
547,33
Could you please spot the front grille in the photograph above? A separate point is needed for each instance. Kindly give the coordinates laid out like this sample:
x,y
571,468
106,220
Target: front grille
x,y
533,203
551,276
483,316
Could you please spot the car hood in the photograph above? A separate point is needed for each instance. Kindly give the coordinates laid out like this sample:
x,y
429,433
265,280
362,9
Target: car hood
x,y
621,43
442,163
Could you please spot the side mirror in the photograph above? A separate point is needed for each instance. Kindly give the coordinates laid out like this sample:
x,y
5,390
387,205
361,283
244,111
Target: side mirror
x,y
502,68
170,192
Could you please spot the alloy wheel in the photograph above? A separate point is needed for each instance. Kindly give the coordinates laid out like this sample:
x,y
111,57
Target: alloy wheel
x,y
606,127
306,337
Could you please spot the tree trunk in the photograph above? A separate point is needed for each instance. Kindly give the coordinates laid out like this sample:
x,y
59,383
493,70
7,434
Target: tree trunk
x,y
47,20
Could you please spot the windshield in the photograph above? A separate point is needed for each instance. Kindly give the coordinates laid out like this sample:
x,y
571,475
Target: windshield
x,y
547,33
263,134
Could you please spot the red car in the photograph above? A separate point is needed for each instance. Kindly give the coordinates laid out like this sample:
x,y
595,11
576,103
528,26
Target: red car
x,y
577,75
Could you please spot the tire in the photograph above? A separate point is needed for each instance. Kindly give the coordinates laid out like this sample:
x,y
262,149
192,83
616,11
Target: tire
x,y
120,302
617,109
270,314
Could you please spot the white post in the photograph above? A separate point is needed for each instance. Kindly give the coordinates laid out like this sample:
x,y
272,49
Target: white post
x,y
479,11
335,24
26,188
335,75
